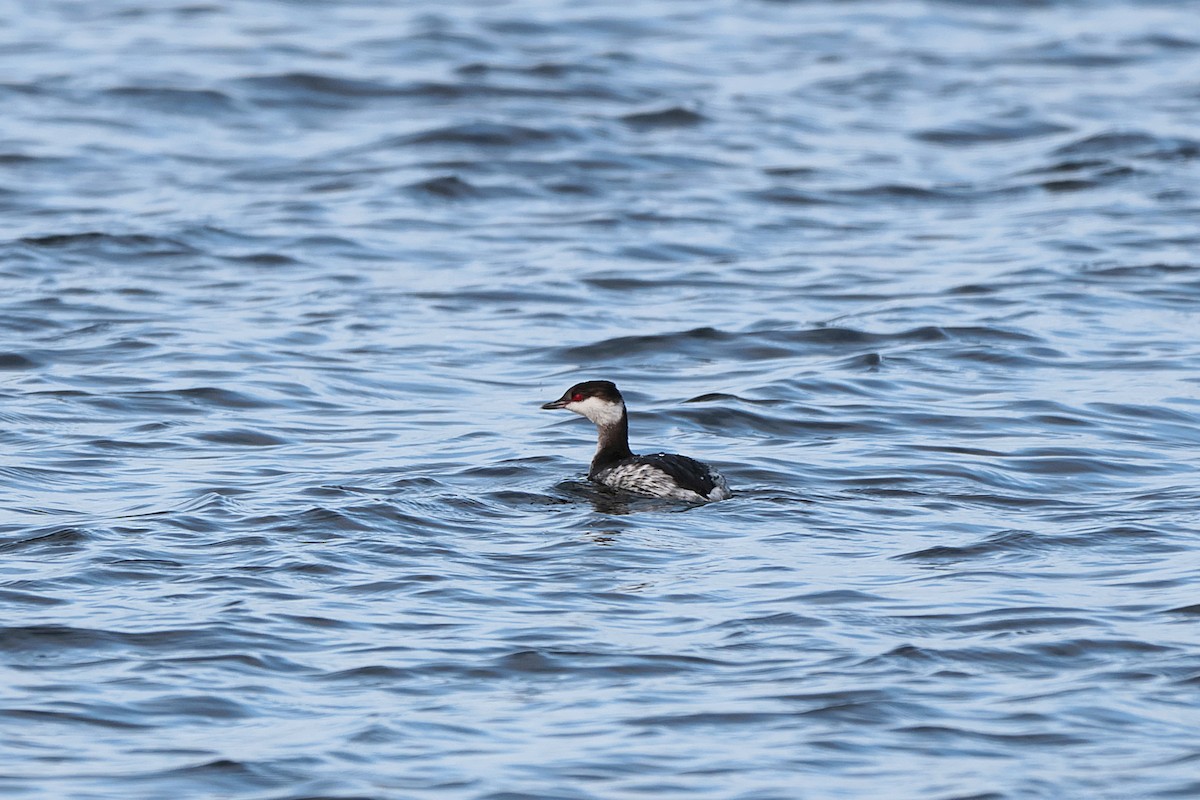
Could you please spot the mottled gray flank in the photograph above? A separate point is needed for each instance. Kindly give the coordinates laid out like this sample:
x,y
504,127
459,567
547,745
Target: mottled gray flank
x,y
648,478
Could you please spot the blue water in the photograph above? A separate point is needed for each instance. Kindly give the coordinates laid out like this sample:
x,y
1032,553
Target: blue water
x,y
283,284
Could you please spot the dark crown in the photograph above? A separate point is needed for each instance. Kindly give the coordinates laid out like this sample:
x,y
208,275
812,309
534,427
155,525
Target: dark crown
x,y
605,390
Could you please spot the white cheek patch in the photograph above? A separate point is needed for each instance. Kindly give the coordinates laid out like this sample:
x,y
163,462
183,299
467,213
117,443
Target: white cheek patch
x,y
599,411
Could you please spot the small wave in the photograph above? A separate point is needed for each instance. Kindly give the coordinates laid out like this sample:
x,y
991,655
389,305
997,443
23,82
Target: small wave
x,y
192,102
99,241
675,251
16,361
975,133
443,91
483,134
294,86
1003,543
1141,272
674,117
913,192
61,537
1131,144
790,196
447,186
241,437
952,737
452,187
707,342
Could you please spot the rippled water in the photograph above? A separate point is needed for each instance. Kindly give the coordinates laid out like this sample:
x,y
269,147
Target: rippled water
x,y
283,284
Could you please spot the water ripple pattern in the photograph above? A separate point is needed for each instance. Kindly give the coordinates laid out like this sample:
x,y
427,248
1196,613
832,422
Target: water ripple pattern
x,y
283,284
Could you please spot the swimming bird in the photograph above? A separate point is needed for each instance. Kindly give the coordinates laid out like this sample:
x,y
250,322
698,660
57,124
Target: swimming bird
x,y
614,465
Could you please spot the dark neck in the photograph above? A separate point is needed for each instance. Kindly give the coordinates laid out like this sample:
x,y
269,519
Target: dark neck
x,y
613,445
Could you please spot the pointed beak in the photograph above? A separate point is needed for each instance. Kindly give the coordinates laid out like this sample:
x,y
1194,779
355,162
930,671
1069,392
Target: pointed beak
x,y
559,403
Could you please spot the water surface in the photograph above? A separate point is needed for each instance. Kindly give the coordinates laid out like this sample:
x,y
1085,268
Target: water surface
x,y
282,286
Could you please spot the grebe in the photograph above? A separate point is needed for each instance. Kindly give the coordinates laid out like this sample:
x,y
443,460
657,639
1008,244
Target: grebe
x,y
615,465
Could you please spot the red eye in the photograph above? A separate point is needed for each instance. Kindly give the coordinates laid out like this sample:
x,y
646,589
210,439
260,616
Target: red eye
x,y
575,398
